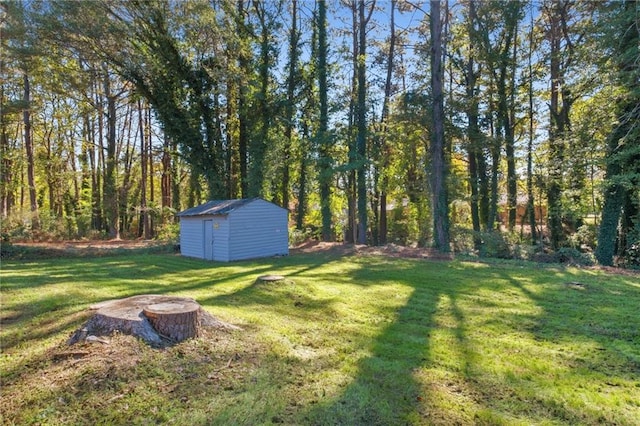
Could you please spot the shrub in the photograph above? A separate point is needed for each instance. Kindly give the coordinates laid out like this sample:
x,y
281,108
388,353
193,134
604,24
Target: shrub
x,y
574,256
168,231
299,236
585,236
631,258
495,244
462,240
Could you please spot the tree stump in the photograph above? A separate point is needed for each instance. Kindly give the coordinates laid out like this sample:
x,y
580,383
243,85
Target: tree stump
x,y
269,278
176,320
154,318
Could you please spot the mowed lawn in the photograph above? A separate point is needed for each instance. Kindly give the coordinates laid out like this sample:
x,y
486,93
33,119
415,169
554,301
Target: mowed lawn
x,y
346,339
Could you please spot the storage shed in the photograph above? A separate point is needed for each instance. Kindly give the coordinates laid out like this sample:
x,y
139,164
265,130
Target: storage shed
x,y
227,230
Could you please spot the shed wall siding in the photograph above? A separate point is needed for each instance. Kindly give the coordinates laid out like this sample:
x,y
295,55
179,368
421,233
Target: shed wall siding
x,y
259,229
191,238
220,238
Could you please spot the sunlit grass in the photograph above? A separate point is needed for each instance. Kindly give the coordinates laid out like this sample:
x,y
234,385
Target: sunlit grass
x,y
344,340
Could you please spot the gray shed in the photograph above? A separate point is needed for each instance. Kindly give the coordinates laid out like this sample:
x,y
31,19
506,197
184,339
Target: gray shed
x,y
227,230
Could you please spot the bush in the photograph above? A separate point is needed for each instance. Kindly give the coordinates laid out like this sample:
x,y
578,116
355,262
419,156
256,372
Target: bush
x,y
168,231
574,256
631,258
299,236
495,244
585,236
15,228
462,239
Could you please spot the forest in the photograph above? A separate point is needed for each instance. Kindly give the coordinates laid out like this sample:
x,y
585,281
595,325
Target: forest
x,y
495,128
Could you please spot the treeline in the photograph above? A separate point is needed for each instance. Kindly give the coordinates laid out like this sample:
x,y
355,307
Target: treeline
x,y
464,125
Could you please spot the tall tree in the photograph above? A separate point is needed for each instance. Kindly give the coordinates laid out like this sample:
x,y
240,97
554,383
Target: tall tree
x,y
323,137
565,32
21,47
361,139
559,122
622,197
530,211
109,192
292,83
437,148
264,105
382,148
144,171
474,136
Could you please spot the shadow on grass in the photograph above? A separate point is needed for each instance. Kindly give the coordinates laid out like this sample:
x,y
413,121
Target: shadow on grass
x,y
585,335
405,380
385,390
596,309
402,375
38,305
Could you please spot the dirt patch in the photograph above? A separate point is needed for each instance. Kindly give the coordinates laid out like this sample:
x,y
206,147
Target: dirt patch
x,y
84,248
91,244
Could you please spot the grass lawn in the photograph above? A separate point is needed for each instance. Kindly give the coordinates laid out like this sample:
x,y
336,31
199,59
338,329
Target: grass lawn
x,y
347,339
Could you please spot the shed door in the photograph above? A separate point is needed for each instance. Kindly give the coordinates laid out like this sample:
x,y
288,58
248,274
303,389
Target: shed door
x,y
208,239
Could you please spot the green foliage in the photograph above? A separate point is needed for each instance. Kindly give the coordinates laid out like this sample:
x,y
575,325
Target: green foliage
x,y
572,256
168,231
585,236
300,236
631,258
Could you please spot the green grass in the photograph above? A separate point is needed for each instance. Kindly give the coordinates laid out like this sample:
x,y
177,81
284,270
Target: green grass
x,y
345,340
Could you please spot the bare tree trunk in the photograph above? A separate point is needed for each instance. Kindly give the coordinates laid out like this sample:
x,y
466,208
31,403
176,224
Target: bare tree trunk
x,y
150,173
382,224
438,175
361,139
144,212
556,141
531,212
28,144
473,131
351,235
110,193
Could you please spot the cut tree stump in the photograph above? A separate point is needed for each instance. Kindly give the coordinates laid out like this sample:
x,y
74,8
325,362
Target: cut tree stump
x,y
177,320
154,318
270,278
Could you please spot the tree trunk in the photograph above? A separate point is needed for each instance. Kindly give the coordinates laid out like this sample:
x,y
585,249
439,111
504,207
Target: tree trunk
x,y
294,37
243,111
144,211
384,149
323,137
259,144
473,130
167,179
531,212
556,132
438,175
361,140
28,144
351,188
110,194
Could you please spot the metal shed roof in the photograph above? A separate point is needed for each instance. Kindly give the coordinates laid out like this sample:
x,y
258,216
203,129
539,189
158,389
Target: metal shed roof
x,y
216,207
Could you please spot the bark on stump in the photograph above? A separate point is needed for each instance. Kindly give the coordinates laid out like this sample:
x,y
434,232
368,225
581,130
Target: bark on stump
x,y
176,320
269,278
154,318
